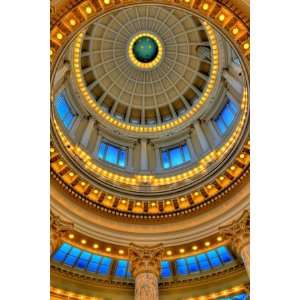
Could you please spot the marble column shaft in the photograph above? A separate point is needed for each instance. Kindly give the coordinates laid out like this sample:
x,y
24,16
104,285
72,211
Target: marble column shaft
x,y
145,268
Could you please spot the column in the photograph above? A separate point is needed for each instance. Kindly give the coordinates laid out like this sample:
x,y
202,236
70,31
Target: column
x,y
214,133
239,234
88,132
201,137
233,82
191,148
130,158
158,166
144,156
73,131
145,268
61,74
58,228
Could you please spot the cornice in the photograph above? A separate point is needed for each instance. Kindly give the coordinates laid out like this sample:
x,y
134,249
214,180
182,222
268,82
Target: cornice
x,y
122,231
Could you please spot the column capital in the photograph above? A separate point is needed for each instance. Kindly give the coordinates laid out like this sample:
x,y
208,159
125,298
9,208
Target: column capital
x,y
238,232
145,259
58,228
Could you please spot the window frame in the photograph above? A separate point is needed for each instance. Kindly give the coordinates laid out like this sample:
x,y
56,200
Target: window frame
x,y
119,149
71,110
221,118
167,150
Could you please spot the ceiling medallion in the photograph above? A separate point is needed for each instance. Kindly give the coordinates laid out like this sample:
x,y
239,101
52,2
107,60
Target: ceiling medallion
x,y
145,50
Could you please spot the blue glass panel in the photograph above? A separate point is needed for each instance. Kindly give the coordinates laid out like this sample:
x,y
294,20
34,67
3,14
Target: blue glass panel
x,y
68,120
106,261
61,106
96,258
165,160
213,258
221,125
228,116
181,267
224,254
70,260
64,111
111,154
81,263
104,270
176,157
85,255
121,268
192,264
65,247
59,255
165,269
92,267
186,153
102,150
233,106
75,251
242,296
203,262
122,158
83,260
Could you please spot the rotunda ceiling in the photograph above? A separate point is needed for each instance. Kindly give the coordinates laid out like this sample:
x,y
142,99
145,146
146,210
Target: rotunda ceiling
x,y
150,111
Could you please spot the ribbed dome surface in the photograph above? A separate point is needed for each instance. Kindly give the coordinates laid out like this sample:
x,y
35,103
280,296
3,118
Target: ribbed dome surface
x,y
138,95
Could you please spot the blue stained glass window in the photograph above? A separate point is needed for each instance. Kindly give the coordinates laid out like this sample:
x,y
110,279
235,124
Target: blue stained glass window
x,y
175,156
224,254
165,160
122,158
181,267
112,154
105,265
64,111
203,262
121,270
165,270
93,265
186,153
61,253
83,260
192,264
242,296
74,257
213,258
221,125
102,149
226,117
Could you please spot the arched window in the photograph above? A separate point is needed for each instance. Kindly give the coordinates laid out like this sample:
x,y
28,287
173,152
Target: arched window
x,y
64,110
226,117
113,154
175,156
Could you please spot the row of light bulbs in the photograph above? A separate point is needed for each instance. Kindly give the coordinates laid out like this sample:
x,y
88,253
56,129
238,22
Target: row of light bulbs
x,y
122,252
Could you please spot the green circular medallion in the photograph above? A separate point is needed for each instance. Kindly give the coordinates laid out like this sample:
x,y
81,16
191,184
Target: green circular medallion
x,y
145,49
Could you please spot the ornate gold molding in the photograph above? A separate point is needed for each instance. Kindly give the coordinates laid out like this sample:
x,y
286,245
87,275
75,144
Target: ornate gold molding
x,y
238,232
58,228
145,259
